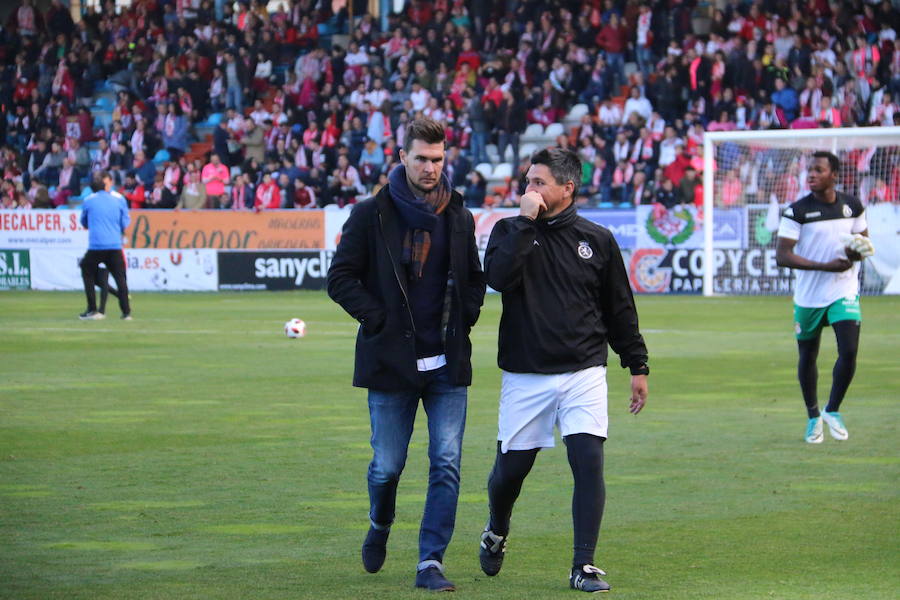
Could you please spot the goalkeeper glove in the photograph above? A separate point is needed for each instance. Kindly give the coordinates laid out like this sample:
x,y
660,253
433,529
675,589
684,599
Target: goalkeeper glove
x,y
858,243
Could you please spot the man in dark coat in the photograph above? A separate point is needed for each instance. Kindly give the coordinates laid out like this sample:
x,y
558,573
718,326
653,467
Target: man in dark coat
x,y
407,269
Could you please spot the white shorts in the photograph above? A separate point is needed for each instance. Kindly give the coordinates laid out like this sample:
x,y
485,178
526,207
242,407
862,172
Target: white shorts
x,y
532,403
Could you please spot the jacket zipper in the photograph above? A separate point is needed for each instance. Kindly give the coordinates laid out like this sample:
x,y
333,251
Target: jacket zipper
x,y
396,274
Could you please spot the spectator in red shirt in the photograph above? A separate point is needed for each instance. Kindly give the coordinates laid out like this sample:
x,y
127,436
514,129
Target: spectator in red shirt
x,y
419,12
23,90
469,55
613,38
304,196
675,171
134,192
307,33
268,196
492,93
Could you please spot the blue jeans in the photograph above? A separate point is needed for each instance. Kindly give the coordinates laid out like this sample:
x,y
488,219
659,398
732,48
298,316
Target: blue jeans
x,y
509,139
478,147
393,415
615,61
645,60
234,98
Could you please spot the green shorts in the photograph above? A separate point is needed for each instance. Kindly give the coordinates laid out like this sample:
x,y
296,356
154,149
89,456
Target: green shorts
x,y
808,322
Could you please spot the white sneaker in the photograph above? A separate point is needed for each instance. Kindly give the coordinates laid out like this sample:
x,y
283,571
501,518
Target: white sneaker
x,y
91,315
836,426
814,433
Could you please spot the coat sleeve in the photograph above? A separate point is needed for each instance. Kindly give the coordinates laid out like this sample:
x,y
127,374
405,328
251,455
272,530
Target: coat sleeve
x,y
510,243
619,312
349,269
474,293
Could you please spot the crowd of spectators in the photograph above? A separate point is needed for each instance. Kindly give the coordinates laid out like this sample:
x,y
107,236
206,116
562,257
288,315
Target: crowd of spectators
x,y
309,108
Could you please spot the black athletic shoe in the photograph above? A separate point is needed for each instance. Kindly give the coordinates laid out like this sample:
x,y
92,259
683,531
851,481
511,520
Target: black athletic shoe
x,y
374,549
433,579
91,315
587,579
491,552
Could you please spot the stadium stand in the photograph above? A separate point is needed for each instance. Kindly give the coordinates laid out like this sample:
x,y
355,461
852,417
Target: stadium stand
x,y
506,78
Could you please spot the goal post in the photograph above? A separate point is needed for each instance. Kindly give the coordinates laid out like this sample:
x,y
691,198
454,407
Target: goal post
x,y
755,174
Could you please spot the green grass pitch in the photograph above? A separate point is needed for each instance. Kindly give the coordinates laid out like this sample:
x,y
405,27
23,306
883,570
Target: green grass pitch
x,y
196,452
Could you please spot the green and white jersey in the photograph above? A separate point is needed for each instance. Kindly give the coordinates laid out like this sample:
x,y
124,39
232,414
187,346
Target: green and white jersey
x,y
817,227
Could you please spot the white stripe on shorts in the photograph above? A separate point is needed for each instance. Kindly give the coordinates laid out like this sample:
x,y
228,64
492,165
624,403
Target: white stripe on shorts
x,y
531,404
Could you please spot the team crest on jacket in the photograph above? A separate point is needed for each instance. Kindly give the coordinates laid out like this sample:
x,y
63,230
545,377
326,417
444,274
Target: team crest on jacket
x,y
848,212
584,250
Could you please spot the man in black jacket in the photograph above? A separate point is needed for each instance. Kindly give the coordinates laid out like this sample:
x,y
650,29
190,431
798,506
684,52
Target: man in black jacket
x,y
407,269
565,297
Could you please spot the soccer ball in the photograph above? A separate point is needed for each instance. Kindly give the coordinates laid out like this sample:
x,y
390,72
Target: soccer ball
x,y
295,328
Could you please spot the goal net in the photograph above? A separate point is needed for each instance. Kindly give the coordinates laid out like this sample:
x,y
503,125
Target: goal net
x,y
750,177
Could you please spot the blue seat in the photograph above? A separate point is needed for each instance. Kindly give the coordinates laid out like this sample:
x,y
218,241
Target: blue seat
x,y
102,119
214,119
103,103
86,191
161,156
626,205
606,205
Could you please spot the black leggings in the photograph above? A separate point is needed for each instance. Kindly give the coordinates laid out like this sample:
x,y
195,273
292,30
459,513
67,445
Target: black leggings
x,y
847,335
585,454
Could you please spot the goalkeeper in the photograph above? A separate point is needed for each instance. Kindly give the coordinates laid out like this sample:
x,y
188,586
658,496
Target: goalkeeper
x,y
824,236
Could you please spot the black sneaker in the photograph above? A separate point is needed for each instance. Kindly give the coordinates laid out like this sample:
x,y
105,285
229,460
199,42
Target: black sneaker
x,y
491,552
432,579
91,315
587,579
374,549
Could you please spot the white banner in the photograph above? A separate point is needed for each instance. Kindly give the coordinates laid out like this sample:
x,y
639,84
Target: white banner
x,y
42,229
334,223
152,270
682,227
884,223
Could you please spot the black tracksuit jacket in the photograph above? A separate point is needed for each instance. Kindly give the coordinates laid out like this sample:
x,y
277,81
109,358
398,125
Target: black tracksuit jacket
x,y
565,295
